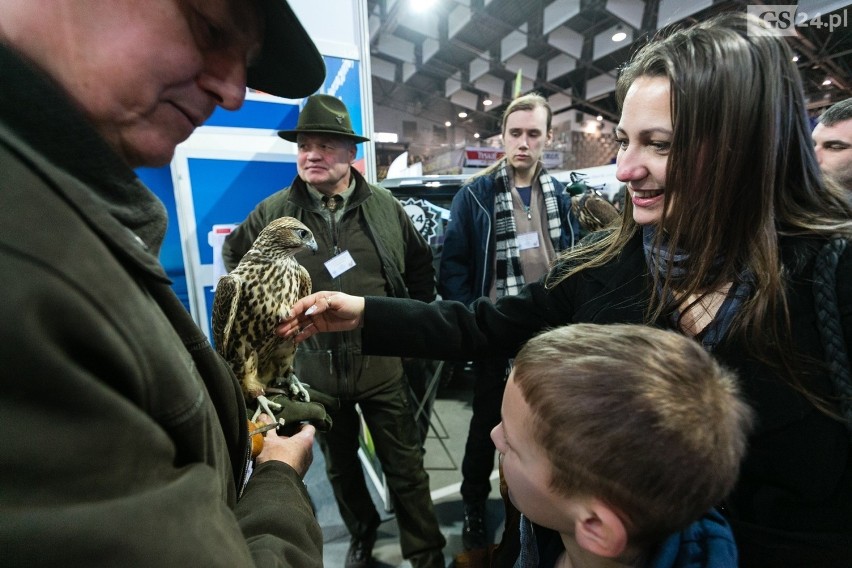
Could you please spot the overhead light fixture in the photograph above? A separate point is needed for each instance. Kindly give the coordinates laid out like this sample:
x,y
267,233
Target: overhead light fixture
x,y
476,135
827,82
422,5
795,58
600,118
487,101
462,114
448,123
620,34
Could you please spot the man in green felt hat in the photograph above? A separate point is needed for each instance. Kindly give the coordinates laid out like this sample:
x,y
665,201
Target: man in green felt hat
x,y
323,114
367,245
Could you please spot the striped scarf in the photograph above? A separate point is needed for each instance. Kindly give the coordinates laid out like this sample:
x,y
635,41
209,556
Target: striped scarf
x,y
509,277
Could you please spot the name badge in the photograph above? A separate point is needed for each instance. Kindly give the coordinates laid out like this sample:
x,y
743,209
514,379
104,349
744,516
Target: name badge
x,y
339,264
528,241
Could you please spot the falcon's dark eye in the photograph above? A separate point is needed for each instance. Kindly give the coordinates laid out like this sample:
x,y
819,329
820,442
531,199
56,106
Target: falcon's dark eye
x,y
303,234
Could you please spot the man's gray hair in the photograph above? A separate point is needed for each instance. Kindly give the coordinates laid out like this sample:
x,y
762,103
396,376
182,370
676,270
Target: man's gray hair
x,y
838,112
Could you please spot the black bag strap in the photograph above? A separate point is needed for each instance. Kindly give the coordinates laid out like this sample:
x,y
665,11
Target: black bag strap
x,y
830,327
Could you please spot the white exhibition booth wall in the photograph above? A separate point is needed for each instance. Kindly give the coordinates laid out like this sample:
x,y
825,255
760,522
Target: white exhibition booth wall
x,y
236,158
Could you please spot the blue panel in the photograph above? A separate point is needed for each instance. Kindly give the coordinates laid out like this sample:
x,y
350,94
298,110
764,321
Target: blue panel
x,y
225,191
159,180
342,80
209,294
257,114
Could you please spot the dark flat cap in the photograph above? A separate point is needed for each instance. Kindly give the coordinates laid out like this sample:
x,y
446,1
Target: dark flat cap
x,y
289,64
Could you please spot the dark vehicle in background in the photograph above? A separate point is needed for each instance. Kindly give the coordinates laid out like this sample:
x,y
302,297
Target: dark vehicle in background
x,y
437,189
427,201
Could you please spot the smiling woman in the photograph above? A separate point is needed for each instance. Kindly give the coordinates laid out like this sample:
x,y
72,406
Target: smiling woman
x,y
714,115
644,137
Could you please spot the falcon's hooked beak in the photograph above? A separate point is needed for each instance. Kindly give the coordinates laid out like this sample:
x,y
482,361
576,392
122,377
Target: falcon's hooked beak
x,y
311,244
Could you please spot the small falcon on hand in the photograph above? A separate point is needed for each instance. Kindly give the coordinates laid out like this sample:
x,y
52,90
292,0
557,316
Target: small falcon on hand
x,y
251,300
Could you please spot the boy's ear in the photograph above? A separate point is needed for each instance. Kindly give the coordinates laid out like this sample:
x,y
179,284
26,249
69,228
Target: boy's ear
x,y
600,531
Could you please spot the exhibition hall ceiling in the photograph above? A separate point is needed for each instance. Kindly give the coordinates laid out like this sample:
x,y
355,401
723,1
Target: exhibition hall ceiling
x,y
433,62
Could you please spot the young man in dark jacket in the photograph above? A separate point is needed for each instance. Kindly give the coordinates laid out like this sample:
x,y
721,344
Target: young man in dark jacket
x,y
506,226
125,440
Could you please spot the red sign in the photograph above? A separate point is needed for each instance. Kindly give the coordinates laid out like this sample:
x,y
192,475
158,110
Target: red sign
x,y
482,156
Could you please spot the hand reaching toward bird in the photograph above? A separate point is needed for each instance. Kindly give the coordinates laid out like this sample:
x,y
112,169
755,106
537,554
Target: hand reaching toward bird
x,y
322,311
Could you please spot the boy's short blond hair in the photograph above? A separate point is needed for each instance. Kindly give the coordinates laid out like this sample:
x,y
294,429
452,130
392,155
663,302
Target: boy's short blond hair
x,y
641,418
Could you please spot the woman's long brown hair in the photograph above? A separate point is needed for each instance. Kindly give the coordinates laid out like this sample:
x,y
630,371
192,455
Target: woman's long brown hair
x,y
741,172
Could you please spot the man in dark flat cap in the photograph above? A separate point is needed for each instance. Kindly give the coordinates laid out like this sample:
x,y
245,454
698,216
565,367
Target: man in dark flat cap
x,y
125,435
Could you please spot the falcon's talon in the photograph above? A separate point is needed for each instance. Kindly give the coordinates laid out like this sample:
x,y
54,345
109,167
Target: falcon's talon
x,y
266,405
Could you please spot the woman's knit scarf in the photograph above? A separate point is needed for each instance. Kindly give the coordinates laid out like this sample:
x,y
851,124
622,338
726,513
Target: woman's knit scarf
x,y
673,265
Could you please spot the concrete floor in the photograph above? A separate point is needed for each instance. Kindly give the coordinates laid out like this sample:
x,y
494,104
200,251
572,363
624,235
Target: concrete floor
x,y
444,450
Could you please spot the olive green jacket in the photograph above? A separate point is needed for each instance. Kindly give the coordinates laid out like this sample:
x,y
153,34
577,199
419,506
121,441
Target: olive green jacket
x,y
391,259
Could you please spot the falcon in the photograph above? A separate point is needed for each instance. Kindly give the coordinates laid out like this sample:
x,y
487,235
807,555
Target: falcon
x,y
593,211
251,300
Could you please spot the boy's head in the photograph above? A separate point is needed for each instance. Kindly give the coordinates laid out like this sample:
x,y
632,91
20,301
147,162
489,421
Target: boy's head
x,y
608,426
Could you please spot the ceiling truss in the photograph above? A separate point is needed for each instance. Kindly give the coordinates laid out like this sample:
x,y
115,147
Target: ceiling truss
x,y
425,56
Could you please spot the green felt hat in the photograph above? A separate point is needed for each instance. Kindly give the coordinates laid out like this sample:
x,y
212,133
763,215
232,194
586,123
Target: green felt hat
x,y
323,114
